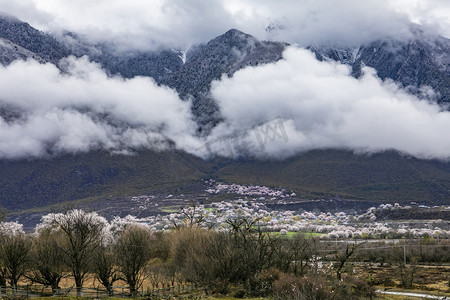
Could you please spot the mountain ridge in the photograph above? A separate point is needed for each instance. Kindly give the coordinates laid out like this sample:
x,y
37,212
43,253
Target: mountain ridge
x,y
27,37
225,54
415,63
387,176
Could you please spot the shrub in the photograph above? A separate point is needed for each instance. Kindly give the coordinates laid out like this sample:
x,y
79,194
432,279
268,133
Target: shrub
x,y
290,287
353,289
265,281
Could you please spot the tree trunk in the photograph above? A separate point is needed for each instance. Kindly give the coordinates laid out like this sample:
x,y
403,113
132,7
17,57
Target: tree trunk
x,y
78,285
109,290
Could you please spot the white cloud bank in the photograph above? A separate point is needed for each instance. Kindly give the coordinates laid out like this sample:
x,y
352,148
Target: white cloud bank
x,y
180,23
84,109
319,106
324,107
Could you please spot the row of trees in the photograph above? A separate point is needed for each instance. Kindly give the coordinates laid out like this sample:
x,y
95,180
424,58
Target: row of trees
x,y
85,244
82,243
78,243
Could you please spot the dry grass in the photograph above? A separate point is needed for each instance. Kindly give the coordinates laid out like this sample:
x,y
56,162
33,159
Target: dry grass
x,y
427,279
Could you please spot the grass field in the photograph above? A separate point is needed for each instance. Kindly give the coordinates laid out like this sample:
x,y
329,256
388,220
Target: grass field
x,y
290,234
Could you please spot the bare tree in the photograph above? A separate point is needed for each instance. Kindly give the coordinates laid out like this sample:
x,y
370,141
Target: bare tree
x,y
293,254
133,251
47,260
105,267
254,250
206,257
343,258
217,260
155,274
14,250
80,236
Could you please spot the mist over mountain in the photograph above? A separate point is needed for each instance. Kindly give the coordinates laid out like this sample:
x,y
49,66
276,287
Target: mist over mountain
x,y
416,63
225,54
230,84
233,96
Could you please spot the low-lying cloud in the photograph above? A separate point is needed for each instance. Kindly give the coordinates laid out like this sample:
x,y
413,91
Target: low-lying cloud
x,y
271,111
83,109
324,107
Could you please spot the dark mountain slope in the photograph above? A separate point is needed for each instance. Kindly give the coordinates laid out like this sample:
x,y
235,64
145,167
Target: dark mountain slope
x,y
31,39
225,54
416,63
153,64
384,177
10,52
35,183
191,72
420,61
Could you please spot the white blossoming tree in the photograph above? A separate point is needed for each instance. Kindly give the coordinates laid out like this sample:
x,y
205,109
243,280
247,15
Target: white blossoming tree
x,y
14,249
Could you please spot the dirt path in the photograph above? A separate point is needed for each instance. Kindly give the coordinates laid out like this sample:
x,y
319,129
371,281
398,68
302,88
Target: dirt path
x,y
426,296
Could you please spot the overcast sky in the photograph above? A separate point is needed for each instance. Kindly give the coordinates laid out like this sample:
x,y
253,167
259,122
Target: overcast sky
x,y
179,23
